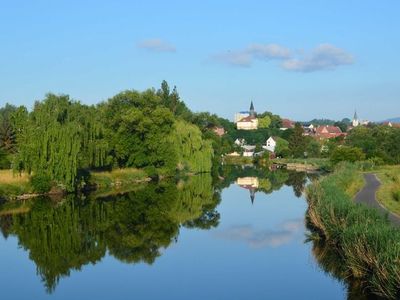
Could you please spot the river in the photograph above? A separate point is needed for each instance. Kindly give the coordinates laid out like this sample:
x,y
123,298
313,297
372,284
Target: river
x,y
240,237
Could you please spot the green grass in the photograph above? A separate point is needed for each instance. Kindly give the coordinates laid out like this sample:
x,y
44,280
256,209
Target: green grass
x,y
367,242
13,185
389,192
117,178
320,163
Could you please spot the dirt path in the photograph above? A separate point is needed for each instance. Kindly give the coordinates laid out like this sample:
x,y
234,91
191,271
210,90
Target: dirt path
x,y
368,196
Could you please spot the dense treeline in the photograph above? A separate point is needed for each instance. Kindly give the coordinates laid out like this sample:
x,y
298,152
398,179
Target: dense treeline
x,y
381,143
61,139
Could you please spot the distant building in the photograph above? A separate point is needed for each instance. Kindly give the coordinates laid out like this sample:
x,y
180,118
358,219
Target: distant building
x,y
220,131
356,121
248,150
233,154
249,183
240,142
287,124
240,115
270,144
328,132
247,123
308,129
247,120
391,124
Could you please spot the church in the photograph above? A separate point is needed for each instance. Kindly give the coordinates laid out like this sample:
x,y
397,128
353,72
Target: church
x,y
247,120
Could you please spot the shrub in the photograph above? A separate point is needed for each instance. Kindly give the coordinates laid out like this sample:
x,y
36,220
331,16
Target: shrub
x,y
345,153
396,195
41,183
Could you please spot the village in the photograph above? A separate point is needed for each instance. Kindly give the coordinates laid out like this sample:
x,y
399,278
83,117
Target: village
x,y
321,133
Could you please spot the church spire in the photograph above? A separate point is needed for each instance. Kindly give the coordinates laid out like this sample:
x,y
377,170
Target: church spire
x,y
355,115
355,122
252,112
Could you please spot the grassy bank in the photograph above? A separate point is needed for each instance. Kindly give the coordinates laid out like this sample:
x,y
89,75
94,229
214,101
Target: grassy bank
x,y
117,178
389,192
14,185
316,163
367,242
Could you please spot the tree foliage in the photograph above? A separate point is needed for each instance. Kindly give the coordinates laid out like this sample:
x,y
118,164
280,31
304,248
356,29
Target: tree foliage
x,y
59,137
345,153
64,139
264,122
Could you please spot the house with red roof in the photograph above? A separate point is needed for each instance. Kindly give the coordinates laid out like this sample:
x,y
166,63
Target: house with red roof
x,y
287,124
324,132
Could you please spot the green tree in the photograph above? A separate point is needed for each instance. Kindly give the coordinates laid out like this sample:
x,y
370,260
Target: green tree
x,y
345,153
7,129
264,122
282,147
58,138
297,142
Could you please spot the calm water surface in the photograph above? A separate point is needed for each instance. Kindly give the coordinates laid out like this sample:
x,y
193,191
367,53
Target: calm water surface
x,y
242,238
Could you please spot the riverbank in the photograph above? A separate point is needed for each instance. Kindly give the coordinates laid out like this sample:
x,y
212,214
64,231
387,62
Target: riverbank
x,y
14,185
367,242
307,164
19,187
389,192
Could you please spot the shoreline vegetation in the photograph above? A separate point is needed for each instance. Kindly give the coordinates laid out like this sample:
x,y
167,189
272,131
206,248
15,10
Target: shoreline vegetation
x,y
364,240
389,192
18,186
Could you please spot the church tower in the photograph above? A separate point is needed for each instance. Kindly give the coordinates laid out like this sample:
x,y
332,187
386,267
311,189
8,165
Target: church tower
x,y
355,122
252,111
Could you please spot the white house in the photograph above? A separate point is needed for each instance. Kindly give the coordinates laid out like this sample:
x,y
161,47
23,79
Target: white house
x,y
247,123
270,144
248,150
240,142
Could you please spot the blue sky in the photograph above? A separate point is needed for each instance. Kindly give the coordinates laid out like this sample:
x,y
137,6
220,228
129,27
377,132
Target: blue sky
x,y
299,59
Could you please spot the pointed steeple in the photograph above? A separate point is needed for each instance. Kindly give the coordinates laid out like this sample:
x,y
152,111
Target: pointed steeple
x,y
355,122
252,112
252,195
355,115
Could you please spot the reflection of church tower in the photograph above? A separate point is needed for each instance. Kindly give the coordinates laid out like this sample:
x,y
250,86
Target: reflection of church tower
x,y
252,111
355,122
252,195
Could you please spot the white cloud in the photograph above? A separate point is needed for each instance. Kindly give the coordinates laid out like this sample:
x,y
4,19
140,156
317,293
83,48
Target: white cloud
x,y
269,51
263,238
156,45
324,57
245,57
238,59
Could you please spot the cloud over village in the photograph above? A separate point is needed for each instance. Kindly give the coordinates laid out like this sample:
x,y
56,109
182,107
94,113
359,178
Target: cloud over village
x,y
322,57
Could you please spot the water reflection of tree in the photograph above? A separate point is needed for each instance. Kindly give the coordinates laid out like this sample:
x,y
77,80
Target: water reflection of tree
x,y
133,227
298,181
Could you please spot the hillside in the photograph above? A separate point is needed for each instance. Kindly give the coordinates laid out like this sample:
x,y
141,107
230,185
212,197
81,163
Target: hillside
x,y
393,120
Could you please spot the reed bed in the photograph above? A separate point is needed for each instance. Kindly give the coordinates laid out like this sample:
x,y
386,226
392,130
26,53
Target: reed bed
x,y
367,242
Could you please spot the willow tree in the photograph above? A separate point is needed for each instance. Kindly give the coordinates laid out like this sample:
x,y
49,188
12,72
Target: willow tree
x,y
58,138
195,153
